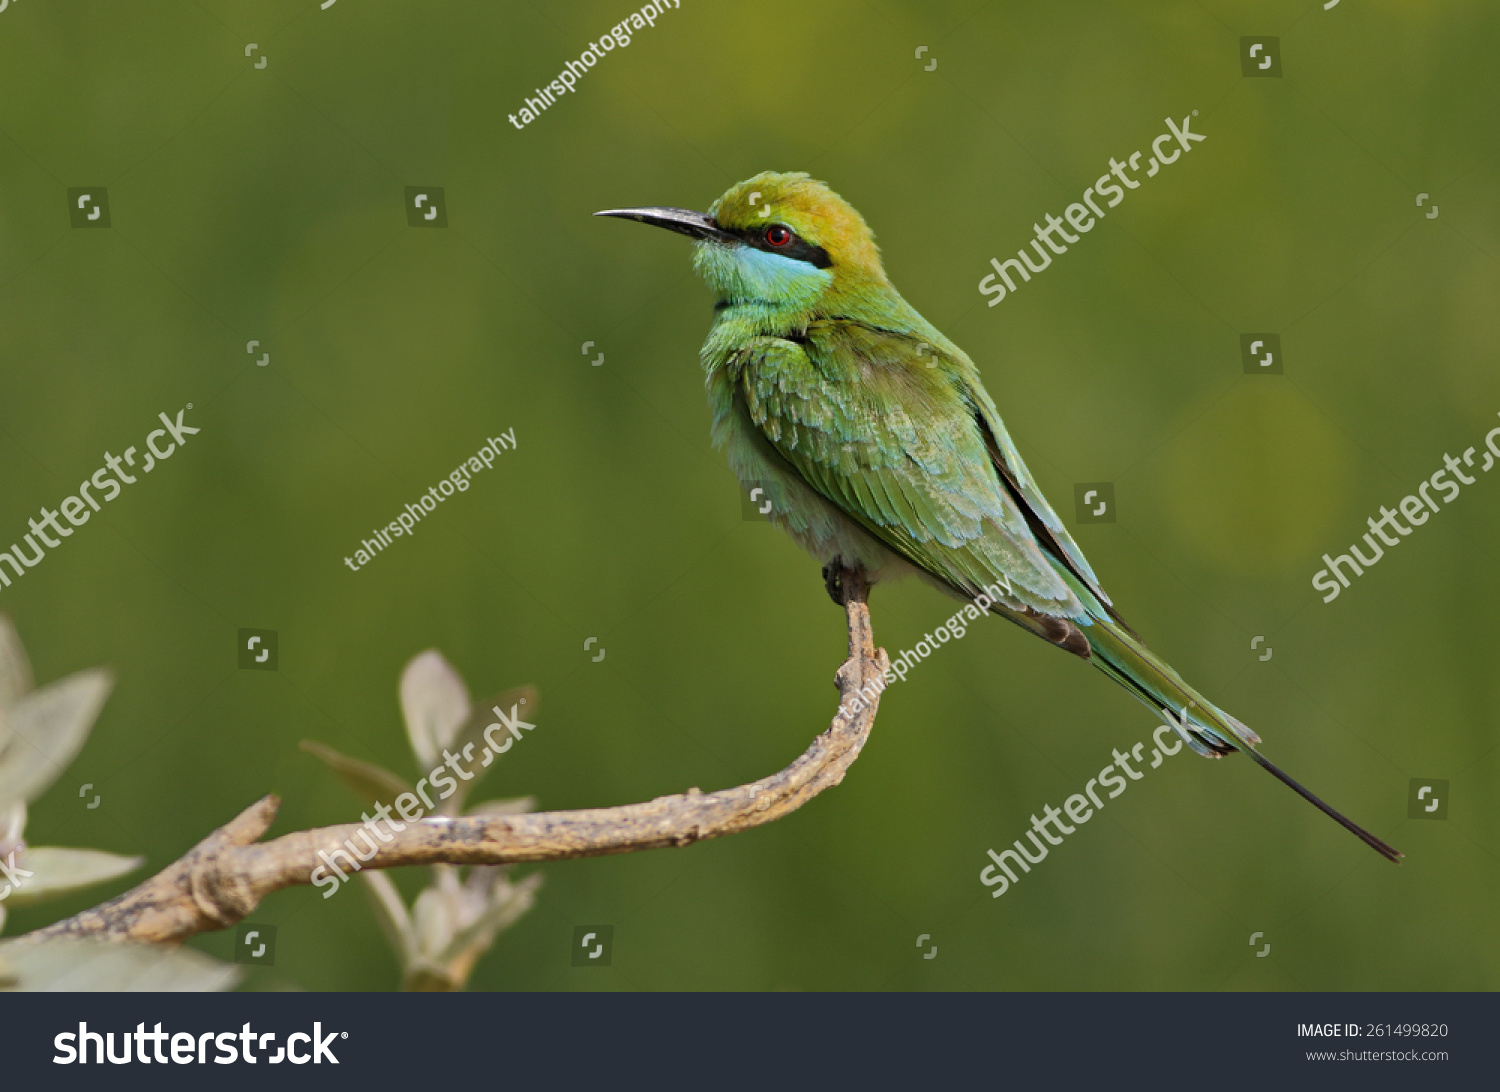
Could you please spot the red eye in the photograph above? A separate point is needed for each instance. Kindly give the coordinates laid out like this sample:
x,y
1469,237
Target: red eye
x,y
778,236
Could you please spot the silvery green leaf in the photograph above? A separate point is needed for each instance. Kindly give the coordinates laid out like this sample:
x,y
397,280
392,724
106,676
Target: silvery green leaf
x,y
435,703
371,783
432,921
517,805
508,902
12,826
15,668
391,913
47,729
75,964
58,871
522,699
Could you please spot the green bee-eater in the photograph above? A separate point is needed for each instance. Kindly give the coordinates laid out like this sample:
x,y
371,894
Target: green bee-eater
x,y
879,448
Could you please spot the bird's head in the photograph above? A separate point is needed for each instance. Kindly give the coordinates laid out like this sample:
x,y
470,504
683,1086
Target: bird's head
x,y
784,240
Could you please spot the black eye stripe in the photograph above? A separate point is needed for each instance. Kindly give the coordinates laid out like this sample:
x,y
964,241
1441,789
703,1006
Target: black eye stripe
x,y
799,248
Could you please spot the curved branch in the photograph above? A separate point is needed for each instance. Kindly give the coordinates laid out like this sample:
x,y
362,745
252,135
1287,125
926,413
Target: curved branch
x,y
224,877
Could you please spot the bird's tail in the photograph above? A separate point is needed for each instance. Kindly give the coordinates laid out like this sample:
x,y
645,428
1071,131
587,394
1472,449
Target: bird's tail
x,y
1205,727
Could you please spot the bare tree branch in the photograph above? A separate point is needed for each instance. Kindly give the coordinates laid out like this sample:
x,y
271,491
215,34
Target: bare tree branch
x,y
225,876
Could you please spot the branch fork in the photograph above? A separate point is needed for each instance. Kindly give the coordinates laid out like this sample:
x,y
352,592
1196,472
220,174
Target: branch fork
x,y
225,877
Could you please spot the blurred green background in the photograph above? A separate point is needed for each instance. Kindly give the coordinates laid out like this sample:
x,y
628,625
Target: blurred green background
x,y
268,204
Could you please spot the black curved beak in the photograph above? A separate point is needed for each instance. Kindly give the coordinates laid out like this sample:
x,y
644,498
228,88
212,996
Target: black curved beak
x,y
695,225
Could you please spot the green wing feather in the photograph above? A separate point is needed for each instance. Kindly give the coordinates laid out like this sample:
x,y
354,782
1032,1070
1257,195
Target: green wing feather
x,y
896,447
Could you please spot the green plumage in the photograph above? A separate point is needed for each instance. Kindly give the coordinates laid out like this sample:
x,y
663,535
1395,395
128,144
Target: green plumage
x,y
874,439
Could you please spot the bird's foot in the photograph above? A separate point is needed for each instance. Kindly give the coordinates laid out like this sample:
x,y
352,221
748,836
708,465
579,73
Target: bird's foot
x,y
838,578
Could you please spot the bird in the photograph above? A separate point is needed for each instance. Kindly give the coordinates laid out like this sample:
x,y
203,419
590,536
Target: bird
x,y
881,452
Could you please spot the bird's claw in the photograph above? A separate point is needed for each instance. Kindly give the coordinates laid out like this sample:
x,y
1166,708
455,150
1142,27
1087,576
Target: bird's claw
x,y
833,580
835,575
